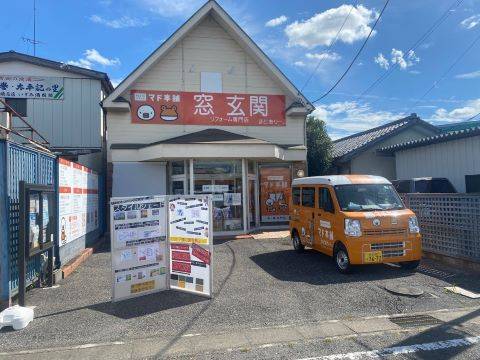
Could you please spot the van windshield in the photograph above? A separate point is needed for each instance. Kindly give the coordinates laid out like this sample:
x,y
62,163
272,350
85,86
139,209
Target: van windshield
x,y
367,197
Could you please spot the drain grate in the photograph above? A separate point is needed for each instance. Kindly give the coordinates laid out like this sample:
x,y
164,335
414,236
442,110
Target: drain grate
x,y
415,321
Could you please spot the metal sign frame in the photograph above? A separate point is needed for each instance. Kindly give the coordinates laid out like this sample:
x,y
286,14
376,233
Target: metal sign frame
x,y
25,252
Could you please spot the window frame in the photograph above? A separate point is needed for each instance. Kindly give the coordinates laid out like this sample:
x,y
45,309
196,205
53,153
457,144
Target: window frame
x,y
313,198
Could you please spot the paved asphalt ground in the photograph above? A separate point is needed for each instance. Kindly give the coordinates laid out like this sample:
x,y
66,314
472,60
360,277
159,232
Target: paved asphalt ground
x,y
259,285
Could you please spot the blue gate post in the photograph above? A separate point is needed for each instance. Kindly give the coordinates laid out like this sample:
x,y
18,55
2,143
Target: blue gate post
x,y
4,249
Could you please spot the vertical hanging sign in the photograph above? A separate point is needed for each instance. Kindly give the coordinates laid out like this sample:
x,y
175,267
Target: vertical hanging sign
x,y
190,238
138,246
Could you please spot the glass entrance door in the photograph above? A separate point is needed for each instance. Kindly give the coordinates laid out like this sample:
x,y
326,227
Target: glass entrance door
x,y
252,206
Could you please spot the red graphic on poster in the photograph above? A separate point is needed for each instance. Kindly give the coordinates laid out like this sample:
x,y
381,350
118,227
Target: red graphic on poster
x,y
275,190
201,253
182,267
184,247
180,255
197,108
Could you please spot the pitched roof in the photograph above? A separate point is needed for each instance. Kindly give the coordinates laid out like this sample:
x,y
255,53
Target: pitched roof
x,y
34,60
347,147
207,136
452,135
458,126
211,7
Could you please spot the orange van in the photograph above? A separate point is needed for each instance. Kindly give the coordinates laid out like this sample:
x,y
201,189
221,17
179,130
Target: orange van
x,y
357,219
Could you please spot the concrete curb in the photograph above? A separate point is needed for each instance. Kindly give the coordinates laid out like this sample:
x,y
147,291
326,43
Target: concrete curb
x,y
245,339
73,264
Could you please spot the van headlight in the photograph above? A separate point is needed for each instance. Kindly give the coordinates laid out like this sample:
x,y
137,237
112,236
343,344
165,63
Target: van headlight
x,y
413,225
353,228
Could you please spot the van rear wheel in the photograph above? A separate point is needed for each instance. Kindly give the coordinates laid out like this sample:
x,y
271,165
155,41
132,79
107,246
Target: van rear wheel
x,y
297,244
342,260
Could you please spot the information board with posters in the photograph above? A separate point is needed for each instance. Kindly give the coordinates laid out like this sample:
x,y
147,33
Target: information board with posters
x,y
275,184
145,259
197,108
138,246
78,200
190,237
31,87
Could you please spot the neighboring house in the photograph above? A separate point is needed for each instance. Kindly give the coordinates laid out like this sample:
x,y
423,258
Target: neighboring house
x,y
357,154
209,113
60,101
454,155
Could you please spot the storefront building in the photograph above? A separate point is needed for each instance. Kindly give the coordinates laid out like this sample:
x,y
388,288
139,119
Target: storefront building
x,y
208,112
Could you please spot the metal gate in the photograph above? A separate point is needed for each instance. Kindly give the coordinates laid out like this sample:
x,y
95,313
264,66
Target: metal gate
x,y
18,163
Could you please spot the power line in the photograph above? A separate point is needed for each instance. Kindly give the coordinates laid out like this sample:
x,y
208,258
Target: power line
x,y
356,56
422,38
322,59
473,117
445,73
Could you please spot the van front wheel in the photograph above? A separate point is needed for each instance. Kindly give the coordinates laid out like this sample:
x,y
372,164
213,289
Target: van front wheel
x,y
342,260
297,244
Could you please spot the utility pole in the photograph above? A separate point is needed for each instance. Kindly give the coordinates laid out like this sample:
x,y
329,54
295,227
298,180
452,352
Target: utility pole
x,y
33,41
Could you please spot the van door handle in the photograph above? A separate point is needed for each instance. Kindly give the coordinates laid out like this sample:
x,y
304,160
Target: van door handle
x,y
313,215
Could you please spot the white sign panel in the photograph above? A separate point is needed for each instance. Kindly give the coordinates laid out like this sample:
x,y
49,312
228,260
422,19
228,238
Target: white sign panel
x,y
190,238
31,87
78,200
138,246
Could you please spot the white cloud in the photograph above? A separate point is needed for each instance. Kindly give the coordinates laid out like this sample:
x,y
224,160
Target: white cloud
x,y
329,56
470,108
115,82
120,23
276,21
382,61
471,22
470,75
299,63
92,58
397,57
349,117
168,8
322,28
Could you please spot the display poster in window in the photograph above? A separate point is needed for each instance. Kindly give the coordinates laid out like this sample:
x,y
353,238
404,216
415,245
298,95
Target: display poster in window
x,y
201,108
190,236
78,201
275,188
31,87
138,246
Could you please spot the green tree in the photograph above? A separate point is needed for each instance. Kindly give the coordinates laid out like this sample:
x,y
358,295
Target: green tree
x,y
319,147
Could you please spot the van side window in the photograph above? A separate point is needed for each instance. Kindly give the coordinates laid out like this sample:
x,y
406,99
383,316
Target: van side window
x,y
296,196
325,200
308,197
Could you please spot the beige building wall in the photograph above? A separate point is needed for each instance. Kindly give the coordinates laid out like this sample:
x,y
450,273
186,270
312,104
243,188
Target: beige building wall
x,y
372,163
207,48
453,160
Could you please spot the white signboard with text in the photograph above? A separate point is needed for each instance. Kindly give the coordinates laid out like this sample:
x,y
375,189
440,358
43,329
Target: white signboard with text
x,y
78,200
31,87
138,246
190,244
161,242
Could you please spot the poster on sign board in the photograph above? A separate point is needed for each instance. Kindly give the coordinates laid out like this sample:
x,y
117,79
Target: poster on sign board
x,y
138,246
275,183
31,87
197,108
78,201
190,239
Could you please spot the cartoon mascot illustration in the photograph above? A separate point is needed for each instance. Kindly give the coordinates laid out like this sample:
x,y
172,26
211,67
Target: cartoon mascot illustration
x,y
168,113
145,112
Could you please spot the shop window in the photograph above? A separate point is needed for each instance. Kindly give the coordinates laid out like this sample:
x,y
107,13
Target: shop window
x,y
222,179
211,82
472,183
178,167
308,197
19,105
296,196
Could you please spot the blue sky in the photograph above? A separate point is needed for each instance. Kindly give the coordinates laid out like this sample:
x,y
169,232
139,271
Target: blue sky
x,y
296,35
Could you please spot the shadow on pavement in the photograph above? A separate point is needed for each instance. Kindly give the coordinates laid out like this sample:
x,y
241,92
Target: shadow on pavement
x,y
140,306
446,331
318,269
